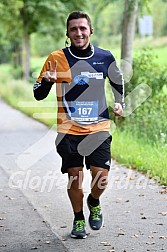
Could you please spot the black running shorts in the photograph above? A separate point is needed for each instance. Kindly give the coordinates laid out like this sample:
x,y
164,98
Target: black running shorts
x,y
94,149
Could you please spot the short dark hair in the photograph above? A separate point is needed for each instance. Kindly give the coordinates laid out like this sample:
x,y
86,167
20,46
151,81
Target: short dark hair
x,y
77,15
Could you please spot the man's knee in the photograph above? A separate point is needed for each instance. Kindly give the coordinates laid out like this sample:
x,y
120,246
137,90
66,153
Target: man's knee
x,y
100,178
75,178
102,182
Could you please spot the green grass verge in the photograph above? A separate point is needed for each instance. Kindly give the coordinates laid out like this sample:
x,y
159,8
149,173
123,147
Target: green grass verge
x,y
19,94
138,154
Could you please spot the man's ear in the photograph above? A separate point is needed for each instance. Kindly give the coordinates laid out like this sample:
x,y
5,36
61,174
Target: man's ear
x,y
66,33
91,31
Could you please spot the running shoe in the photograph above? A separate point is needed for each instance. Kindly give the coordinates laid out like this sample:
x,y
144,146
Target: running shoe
x,y
78,230
95,217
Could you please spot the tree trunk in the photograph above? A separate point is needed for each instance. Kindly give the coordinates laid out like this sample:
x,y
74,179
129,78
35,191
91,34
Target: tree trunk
x,y
16,54
26,56
128,29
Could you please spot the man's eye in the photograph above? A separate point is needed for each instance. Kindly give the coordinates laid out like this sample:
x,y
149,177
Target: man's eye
x,y
83,28
73,29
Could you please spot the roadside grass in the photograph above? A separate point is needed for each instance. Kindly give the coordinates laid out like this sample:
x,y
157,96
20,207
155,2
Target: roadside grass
x,y
19,94
138,154
161,54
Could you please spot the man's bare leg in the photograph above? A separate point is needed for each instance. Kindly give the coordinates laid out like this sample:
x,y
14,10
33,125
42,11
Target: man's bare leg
x,y
98,185
99,181
75,193
75,190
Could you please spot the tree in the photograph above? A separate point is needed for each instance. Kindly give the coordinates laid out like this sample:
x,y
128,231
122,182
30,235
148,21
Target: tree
x,y
130,13
128,22
29,16
96,8
131,9
128,29
9,34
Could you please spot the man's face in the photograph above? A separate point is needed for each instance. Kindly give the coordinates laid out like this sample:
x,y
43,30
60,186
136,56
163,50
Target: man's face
x,y
79,33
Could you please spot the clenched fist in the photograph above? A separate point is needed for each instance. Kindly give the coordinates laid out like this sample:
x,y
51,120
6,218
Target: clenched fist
x,y
118,110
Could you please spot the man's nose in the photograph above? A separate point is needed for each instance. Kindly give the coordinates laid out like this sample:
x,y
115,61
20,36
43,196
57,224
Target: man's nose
x,y
79,32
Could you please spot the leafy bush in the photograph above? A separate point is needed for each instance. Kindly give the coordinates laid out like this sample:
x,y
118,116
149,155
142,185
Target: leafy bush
x,y
149,120
147,71
16,71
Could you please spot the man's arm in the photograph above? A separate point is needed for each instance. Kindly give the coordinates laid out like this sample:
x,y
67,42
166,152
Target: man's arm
x,y
48,74
117,83
42,89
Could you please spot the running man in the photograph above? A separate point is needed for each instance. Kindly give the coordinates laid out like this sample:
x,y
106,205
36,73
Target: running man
x,y
79,71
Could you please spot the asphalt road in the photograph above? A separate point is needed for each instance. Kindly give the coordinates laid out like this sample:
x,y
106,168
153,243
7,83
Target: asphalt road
x,y
35,213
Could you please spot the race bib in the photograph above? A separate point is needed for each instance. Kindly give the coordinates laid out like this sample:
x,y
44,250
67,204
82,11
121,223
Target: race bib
x,y
84,111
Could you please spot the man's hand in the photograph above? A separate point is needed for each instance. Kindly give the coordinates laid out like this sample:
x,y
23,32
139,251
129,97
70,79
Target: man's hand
x,y
118,110
50,75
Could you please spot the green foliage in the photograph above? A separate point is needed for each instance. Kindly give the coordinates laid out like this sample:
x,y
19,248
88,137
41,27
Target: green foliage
x,y
11,19
41,15
145,5
47,17
44,45
16,72
5,54
105,27
147,71
24,17
149,120
158,11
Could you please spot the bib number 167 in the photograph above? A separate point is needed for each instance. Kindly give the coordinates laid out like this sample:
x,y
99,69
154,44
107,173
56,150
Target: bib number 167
x,y
84,111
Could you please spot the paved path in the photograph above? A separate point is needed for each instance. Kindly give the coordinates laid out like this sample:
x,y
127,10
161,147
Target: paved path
x,y
35,213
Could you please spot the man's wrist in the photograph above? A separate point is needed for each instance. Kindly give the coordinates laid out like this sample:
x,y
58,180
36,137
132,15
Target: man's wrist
x,y
44,82
121,103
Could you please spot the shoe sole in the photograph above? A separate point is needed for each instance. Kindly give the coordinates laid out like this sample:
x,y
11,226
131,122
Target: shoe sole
x,y
94,229
78,237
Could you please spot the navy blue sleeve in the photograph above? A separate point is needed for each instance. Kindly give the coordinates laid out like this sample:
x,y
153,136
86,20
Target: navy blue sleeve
x,y
116,81
42,89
